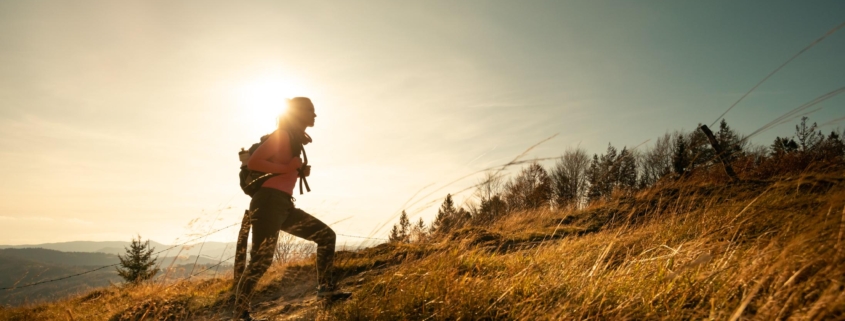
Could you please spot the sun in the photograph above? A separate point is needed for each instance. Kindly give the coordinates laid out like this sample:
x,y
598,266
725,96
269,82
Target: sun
x,y
260,100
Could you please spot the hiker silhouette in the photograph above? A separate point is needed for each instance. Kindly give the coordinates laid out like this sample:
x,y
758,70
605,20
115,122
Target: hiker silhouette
x,y
272,208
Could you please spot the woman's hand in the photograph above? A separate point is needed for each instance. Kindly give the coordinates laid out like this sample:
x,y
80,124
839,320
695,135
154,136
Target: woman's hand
x,y
295,163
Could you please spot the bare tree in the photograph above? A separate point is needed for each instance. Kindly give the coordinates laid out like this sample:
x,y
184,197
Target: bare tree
x,y
569,178
656,162
806,136
490,185
490,204
291,248
285,247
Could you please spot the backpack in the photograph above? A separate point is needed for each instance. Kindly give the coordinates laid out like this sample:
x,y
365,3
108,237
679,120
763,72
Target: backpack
x,y
251,180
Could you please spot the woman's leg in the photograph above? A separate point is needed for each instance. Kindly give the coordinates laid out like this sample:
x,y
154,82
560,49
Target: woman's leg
x,y
269,210
303,225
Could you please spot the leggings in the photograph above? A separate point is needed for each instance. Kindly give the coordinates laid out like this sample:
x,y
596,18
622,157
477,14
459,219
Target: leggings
x,y
273,210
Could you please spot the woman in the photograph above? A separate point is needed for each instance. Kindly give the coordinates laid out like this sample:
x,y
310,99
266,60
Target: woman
x,y
273,209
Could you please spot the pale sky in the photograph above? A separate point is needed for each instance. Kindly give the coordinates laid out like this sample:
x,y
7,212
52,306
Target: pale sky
x,y
125,117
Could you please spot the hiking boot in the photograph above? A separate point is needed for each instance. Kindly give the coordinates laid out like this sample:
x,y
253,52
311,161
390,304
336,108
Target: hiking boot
x,y
330,293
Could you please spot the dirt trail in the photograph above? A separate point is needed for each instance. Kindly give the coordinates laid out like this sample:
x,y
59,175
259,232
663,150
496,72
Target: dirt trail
x,y
292,296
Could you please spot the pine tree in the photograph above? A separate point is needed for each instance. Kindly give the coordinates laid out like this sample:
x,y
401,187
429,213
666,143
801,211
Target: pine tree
x,y
395,234
404,226
731,143
418,231
627,170
609,169
832,147
137,265
446,216
490,209
783,145
699,151
594,178
401,232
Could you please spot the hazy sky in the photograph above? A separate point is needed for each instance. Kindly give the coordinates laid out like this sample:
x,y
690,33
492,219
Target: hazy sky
x,y
121,117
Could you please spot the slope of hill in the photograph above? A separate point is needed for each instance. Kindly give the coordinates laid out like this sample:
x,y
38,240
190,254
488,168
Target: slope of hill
x,y
683,250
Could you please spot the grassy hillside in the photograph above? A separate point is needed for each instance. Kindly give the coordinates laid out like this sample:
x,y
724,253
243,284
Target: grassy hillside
x,y
762,250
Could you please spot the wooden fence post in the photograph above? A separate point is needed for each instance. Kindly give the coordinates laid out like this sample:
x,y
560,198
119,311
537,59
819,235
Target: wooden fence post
x,y
240,249
720,153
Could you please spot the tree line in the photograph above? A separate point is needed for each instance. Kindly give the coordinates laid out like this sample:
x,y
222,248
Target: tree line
x,y
578,179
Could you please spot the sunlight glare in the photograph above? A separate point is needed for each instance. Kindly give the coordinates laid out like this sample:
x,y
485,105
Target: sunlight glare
x,y
261,100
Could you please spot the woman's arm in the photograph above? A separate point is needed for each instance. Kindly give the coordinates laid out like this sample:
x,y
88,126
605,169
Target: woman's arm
x,y
260,160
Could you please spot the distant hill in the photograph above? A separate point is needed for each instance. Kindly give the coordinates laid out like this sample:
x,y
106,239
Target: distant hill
x,y
60,258
211,249
94,259
17,271
80,246
28,265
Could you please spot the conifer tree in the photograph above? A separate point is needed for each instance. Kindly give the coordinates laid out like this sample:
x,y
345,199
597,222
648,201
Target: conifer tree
x,y
832,147
418,231
446,216
402,231
783,145
594,178
680,157
731,143
490,209
137,265
404,226
699,151
627,170
395,234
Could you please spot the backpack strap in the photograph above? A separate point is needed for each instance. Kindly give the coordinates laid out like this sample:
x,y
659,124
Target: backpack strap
x,y
297,142
302,178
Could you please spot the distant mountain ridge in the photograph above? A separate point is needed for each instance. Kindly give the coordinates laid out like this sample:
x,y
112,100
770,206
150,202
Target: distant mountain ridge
x,y
61,258
22,266
79,246
212,249
53,257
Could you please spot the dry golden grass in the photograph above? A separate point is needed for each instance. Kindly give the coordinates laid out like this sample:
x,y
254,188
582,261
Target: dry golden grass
x,y
762,250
